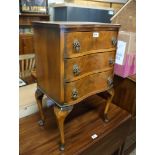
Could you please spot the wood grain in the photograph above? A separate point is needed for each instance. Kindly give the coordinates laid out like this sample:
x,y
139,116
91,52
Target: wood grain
x,y
49,62
84,121
90,52
26,44
88,64
88,42
27,19
125,97
125,94
54,45
61,116
87,86
50,45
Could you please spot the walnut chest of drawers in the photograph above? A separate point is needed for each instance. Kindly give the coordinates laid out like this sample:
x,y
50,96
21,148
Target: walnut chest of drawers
x,y
74,60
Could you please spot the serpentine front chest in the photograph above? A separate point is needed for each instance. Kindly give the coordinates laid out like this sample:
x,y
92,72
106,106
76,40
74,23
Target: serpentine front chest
x,y
74,60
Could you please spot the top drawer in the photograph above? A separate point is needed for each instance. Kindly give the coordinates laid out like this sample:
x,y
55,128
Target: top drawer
x,y
82,43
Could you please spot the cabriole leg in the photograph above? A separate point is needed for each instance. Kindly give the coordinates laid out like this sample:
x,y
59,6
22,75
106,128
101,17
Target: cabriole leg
x,y
109,100
61,114
39,96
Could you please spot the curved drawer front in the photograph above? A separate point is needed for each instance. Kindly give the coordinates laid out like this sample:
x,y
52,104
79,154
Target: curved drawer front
x,y
80,67
85,42
89,85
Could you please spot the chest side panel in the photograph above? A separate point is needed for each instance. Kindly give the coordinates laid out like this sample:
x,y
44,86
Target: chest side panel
x,y
49,61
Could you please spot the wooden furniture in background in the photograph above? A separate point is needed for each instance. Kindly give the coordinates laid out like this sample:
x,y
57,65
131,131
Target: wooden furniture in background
x,y
80,46
125,93
26,45
26,65
84,121
33,73
125,97
26,19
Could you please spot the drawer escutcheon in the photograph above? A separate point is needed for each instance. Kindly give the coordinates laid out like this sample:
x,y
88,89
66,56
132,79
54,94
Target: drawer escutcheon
x,y
111,61
76,69
76,45
74,94
110,82
114,41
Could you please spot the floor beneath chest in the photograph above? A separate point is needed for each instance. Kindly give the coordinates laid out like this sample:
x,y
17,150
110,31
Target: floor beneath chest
x,y
36,140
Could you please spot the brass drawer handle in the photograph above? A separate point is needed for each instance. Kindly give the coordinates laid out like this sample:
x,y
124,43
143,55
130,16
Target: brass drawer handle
x,y
110,82
111,61
76,69
114,41
74,94
76,45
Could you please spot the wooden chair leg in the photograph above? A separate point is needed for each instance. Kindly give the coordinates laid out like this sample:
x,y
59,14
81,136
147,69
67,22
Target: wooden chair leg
x,y
61,114
39,96
111,93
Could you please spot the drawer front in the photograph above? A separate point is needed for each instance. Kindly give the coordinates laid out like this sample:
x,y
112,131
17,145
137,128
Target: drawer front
x,y
78,90
80,67
85,42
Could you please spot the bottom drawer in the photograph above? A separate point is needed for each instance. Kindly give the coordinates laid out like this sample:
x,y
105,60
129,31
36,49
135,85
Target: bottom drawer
x,y
80,89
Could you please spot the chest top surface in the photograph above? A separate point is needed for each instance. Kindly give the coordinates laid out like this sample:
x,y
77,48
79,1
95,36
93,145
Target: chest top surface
x,y
63,24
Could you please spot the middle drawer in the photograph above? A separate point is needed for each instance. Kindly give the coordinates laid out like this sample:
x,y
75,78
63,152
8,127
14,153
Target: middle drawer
x,y
80,67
